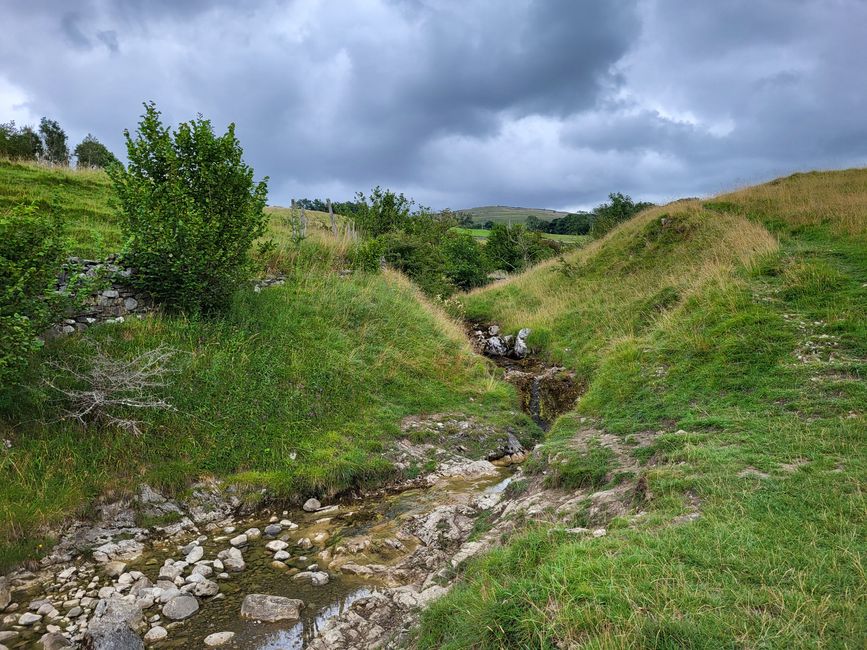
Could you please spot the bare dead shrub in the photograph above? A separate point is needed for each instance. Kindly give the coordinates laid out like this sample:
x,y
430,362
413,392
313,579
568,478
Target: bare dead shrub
x,y
110,388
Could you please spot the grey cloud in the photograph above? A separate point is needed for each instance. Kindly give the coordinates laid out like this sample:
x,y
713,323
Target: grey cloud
x,y
528,102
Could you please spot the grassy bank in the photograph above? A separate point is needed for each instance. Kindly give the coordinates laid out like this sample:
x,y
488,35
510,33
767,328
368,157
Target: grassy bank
x,y
736,343
299,388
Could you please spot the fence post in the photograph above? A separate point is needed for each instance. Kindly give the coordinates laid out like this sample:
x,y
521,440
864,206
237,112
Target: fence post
x,y
331,214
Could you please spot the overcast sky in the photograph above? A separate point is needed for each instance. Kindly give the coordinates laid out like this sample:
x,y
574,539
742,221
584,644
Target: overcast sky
x,y
459,103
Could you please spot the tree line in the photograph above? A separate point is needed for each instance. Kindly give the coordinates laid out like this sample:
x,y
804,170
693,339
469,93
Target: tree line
x,y
49,143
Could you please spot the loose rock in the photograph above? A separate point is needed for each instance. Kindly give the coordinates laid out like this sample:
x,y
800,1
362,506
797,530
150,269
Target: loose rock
x,y
263,607
181,607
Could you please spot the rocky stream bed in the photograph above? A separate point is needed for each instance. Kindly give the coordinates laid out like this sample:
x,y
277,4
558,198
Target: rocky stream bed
x,y
211,570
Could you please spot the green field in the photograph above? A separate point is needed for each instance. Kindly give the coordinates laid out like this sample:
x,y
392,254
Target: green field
x,y
731,337
482,234
506,214
299,388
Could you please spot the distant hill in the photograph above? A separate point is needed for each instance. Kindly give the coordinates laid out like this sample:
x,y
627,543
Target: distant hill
x,y
505,214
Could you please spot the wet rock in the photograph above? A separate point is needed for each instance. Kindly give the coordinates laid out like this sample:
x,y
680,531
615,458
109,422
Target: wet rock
x,y
270,609
311,505
8,635
114,568
206,588
218,638
113,626
282,556
54,641
29,618
232,559
316,578
304,543
356,569
276,545
272,530
239,540
496,347
196,553
125,550
181,607
156,633
253,534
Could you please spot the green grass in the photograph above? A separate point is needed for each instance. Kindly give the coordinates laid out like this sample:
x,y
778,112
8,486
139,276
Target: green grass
x,y
481,233
298,388
507,214
81,198
758,365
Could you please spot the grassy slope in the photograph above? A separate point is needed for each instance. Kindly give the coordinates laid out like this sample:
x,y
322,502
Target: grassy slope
x,y
299,387
506,214
737,353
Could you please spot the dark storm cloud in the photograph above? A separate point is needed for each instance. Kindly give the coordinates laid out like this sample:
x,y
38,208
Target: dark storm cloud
x,y
528,102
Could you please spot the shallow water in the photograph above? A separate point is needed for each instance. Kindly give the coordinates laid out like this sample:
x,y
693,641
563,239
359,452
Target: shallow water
x,y
379,518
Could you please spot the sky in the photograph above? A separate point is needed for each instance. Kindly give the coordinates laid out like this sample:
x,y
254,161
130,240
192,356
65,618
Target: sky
x,y
462,103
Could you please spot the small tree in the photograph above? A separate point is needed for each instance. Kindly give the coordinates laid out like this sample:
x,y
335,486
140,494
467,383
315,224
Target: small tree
x,y
192,212
618,209
384,211
464,261
54,139
32,249
20,143
90,152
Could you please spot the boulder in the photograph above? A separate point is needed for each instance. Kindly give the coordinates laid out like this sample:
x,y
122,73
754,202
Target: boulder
x,y
181,607
311,505
113,626
156,633
196,553
496,347
263,607
54,641
206,588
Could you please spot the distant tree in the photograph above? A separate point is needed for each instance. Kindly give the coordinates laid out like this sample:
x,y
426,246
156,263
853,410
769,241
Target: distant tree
x,y
535,223
90,152
464,219
577,223
191,212
618,209
513,247
54,140
488,225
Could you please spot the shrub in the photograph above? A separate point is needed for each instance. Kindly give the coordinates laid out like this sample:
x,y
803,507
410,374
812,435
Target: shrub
x,y
191,212
32,249
464,260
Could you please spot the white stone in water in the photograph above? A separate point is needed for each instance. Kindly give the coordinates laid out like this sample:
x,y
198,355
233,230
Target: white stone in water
x,y
253,533
181,607
218,639
218,565
195,554
206,588
276,545
239,540
232,559
305,543
203,570
156,633
29,619
316,578
263,607
281,555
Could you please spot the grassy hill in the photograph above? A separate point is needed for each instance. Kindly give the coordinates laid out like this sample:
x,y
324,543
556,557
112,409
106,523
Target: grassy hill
x,y
299,388
730,336
506,214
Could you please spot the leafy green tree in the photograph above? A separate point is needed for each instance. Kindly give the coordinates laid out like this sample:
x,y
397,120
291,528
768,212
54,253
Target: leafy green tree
x,y
618,209
513,248
465,264
383,211
535,224
90,152
32,249
20,143
191,212
54,140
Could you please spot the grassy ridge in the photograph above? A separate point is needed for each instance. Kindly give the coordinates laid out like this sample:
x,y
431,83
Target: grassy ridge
x,y
299,387
747,370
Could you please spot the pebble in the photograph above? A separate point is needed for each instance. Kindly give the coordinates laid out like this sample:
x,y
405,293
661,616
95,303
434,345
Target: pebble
x,y
240,540
195,554
218,639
